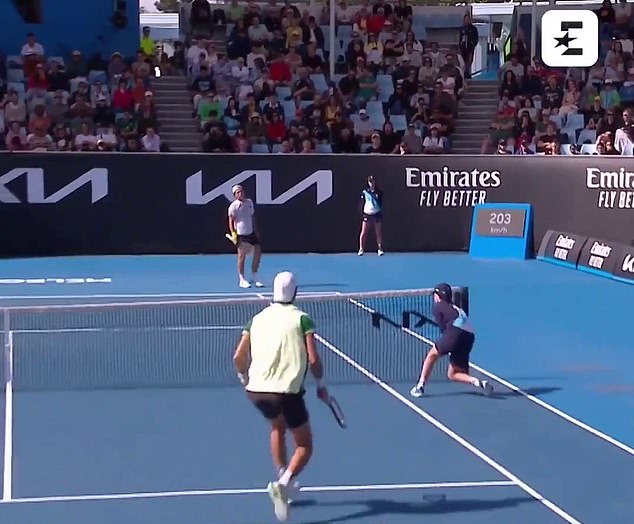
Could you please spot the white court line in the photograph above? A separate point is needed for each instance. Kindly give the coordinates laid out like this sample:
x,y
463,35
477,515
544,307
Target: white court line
x,y
157,295
556,411
7,474
519,391
117,329
219,492
451,434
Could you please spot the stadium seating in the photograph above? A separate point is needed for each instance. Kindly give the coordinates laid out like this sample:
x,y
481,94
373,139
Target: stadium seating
x,y
567,112
66,103
276,63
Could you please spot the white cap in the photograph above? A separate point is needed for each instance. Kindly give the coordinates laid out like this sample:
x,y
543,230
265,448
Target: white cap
x,y
235,188
284,287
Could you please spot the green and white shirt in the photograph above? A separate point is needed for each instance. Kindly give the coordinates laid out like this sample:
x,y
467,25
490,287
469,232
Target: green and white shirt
x,y
279,360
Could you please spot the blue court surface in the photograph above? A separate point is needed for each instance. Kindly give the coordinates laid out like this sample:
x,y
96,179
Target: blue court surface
x,y
554,444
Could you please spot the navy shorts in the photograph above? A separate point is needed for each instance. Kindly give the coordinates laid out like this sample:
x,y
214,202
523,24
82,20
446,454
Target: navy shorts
x,y
373,219
458,345
290,405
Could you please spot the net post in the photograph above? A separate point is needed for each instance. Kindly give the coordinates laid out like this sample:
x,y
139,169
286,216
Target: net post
x,y
405,321
376,319
7,473
461,298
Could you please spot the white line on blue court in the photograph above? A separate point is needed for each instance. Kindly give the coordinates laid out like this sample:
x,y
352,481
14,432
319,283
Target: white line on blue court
x,y
519,391
219,492
450,433
158,295
128,329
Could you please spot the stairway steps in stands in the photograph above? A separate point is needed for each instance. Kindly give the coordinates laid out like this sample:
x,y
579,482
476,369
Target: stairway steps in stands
x,y
174,107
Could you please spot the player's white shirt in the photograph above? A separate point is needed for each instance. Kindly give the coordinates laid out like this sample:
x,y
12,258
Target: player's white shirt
x,y
242,214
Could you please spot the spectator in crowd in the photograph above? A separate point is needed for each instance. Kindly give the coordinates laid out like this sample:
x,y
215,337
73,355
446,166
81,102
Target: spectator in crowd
x,y
70,104
577,111
275,68
151,142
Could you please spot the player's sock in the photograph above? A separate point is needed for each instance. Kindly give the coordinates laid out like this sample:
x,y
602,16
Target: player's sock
x,y
286,477
476,382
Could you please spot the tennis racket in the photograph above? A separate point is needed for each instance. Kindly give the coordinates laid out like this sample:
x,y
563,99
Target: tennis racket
x,y
232,239
336,411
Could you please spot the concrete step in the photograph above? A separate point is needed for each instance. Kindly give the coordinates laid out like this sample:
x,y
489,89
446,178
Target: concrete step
x,y
465,151
185,149
168,113
172,98
172,129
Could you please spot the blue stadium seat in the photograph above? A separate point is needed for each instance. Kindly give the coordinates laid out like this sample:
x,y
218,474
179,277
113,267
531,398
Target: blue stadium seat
x,y
260,148
323,148
564,149
399,122
15,75
320,82
575,121
277,148
14,62
283,92
587,135
588,149
97,76
627,94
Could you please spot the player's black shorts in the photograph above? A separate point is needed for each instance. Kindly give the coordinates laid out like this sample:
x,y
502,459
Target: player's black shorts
x,y
290,405
377,218
250,239
458,345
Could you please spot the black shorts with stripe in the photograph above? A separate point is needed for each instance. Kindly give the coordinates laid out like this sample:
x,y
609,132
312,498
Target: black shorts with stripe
x,y
377,218
291,406
458,344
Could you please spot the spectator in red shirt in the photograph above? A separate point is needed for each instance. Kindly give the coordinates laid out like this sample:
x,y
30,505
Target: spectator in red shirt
x,y
37,84
376,22
122,98
279,70
276,129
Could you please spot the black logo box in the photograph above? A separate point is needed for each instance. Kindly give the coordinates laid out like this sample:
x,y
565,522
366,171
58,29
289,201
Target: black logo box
x,y
562,247
599,255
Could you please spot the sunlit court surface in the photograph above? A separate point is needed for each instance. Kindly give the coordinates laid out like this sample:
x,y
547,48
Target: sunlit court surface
x,y
127,409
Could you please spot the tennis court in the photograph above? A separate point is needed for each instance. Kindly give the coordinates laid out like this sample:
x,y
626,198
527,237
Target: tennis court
x,y
122,413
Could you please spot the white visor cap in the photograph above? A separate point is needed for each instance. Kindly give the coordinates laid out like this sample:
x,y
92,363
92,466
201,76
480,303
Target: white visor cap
x,y
284,287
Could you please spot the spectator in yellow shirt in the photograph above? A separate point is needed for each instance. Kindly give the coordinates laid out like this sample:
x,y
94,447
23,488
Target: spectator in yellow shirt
x,y
148,45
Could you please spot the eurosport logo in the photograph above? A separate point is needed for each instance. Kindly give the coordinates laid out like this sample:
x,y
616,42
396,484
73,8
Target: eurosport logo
x,y
570,38
452,188
85,280
615,189
321,179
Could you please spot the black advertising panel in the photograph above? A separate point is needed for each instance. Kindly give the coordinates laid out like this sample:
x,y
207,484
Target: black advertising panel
x,y
598,256
135,203
562,248
624,264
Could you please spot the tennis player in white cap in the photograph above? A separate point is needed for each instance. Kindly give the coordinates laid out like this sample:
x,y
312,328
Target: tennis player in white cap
x,y
276,349
242,229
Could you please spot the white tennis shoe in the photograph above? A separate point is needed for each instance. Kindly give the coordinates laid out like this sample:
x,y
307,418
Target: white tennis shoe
x,y
279,497
360,253
257,283
292,490
244,283
417,391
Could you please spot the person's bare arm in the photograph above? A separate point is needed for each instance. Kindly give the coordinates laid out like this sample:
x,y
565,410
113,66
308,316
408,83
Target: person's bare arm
x,y
241,358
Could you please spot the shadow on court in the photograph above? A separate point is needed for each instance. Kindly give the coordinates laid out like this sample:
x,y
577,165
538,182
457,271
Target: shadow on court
x,y
497,395
384,507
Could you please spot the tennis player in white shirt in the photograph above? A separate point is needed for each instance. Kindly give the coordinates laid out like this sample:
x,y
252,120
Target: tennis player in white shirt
x,y
242,228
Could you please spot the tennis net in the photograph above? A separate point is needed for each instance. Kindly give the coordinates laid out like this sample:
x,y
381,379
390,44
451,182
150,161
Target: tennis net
x,y
190,343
